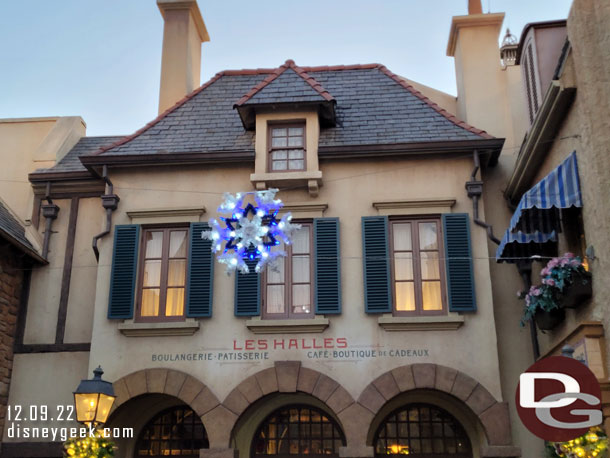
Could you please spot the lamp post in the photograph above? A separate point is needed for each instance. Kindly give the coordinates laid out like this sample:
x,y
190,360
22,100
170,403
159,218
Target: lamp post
x,y
93,399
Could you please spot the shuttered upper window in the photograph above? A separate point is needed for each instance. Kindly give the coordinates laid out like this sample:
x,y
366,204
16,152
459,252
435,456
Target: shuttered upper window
x,y
417,270
288,290
162,274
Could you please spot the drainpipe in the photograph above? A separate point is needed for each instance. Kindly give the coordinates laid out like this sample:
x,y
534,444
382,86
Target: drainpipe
x,y
110,202
525,270
474,188
50,212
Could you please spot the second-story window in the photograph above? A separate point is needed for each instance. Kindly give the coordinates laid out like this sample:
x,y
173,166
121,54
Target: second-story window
x,y
162,274
417,269
288,291
286,147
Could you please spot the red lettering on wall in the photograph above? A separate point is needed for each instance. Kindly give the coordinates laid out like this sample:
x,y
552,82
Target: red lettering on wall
x,y
278,343
303,345
292,343
315,346
235,347
249,344
262,344
341,342
328,342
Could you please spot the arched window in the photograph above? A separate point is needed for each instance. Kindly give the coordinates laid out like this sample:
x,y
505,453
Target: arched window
x,y
421,430
176,431
298,430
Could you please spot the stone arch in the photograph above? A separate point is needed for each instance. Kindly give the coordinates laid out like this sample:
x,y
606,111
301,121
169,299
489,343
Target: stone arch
x,y
170,382
492,415
283,377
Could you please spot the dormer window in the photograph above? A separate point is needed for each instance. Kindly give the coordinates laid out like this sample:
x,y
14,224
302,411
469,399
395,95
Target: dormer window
x,y
286,147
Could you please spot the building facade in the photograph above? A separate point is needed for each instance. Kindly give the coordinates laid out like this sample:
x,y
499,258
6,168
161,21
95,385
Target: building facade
x,y
388,328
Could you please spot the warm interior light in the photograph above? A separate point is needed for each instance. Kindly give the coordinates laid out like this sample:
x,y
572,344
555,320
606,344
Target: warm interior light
x,y
398,449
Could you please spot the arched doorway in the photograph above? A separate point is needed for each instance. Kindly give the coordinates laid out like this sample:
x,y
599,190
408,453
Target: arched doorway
x,y
421,430
177,431
297,430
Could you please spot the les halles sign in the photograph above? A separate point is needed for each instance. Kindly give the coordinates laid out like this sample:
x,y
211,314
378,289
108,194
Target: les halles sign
x,y
329,349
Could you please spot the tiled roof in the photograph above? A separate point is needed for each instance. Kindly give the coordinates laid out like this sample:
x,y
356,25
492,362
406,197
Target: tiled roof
x,y
373,107
86,145
11,227
289,83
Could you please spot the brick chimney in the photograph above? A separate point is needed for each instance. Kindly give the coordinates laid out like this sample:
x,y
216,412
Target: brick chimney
x,y
183,33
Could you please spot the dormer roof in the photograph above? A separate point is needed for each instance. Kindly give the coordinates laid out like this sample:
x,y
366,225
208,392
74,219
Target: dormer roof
x,y
288,87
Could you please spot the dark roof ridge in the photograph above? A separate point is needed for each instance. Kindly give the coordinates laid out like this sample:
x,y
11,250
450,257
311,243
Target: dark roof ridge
x,y
451,117
289,64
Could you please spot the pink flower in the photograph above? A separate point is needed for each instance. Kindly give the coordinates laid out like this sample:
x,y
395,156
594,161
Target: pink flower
x,y
544,272
553,263
569,255
549,281
575,263
564,262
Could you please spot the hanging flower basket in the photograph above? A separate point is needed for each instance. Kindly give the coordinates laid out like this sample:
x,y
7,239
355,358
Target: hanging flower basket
x,y
549,319
579,291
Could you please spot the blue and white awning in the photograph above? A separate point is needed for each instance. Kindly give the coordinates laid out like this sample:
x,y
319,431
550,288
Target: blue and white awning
x,y
519,245
540,205
536,221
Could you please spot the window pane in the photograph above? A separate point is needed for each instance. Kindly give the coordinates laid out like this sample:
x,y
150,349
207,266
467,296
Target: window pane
x,y
428,239
280,165
300,269
295,141
300,240
296,165
301,299
154,243
295,131
431,295
279,132
275,299
402,236
296,154
279,141
278,275
280,154
405,296
152,273
176,272
150,302
174,304
403,266
429,265
177,244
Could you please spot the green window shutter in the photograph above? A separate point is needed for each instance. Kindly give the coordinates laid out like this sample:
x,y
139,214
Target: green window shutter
x,y
458,258
248,291
376,259
327,265
123,274
200,273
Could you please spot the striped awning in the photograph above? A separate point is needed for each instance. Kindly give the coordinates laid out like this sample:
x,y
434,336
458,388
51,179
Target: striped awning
x,y
519,245
539,207
534,225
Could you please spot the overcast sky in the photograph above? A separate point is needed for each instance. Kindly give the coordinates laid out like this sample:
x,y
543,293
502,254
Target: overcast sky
x,y
101,59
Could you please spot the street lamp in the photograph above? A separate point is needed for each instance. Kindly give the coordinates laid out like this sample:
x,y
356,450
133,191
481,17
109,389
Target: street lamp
x,y
93,399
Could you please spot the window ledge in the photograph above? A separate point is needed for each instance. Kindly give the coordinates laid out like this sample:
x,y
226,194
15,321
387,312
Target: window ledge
x,y
172,328
260,326
449,322
414,206
313,180
166,215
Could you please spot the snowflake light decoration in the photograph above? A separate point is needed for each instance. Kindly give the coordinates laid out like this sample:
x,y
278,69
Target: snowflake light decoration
x,y
250,232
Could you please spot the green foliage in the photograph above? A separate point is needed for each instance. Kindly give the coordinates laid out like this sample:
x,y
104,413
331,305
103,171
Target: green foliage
x,y
89,447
